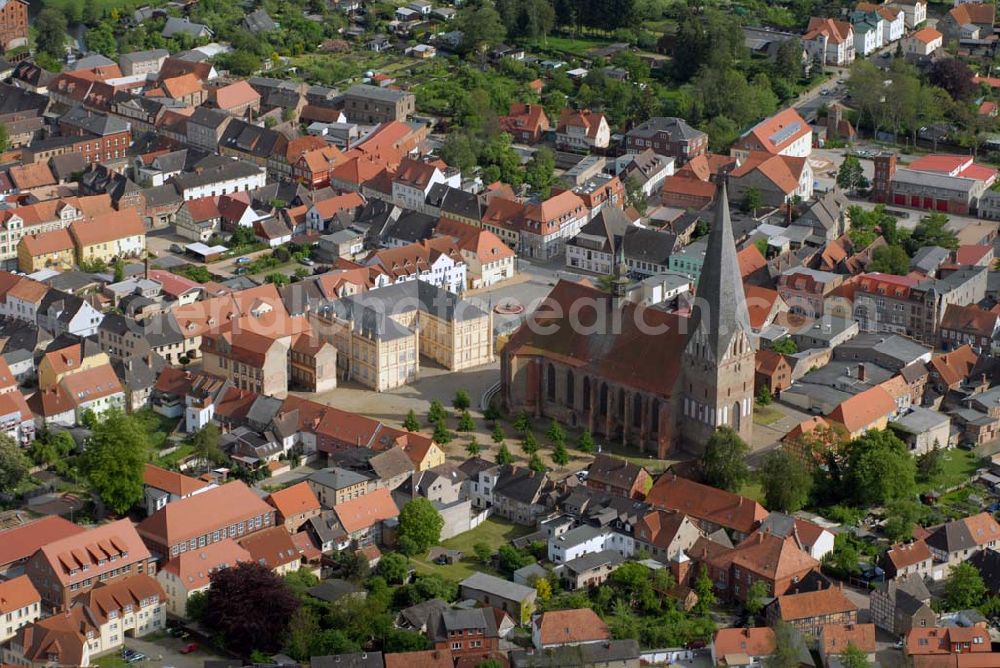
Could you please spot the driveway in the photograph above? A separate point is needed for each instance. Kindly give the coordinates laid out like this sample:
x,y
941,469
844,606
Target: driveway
x,y
165,651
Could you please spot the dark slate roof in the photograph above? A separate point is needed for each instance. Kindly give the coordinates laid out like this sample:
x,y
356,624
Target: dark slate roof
x,y
262,142
14,100
95,123
231,169
209,118
332,591
418,615
413,226
391,463
952,537
460,203
164,195
259,21
594,560
376,93
614,471
520,484
720,298
987,562
138,373
65,166
337,478
677,128
443,623
614,652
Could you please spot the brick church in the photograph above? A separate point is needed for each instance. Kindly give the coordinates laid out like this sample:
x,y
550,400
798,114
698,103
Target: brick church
x,y
638,375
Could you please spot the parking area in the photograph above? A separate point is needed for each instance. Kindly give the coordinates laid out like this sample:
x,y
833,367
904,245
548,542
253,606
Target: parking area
x,y
162,651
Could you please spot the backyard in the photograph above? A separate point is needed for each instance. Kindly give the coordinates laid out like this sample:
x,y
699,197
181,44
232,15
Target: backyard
x,y
492,532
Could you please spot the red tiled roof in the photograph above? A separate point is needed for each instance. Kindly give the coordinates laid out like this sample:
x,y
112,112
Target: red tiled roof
x,y
808,605
706,503
432,658
294,500
836,638
271,547
53,241
194,567
757,641
16,594
774,134
571,627
926,35
972,254
109,227
235,95
366,511
750,261
863,410
908,554
172,482
93,548
955,366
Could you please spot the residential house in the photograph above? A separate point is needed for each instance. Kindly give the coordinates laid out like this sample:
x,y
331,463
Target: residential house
x,y
590,570
526,123
923,42
809,612
939,641
470,634
362,518
771,371
619,477
914,11
272,547
49,250
599,244
750,646
519,495
829,41
334,486
612,654
968,21
954,542
785,133
68,567
863,412
901,604
779,178
813,539
488,259
190,572
112,236
561,628
582,130
516,600
835,639
969,325
548,225
667,136
19,543
869,31
373,104
665,534
295,505
162,486
414,179
709,507
913,558
805,290
20,605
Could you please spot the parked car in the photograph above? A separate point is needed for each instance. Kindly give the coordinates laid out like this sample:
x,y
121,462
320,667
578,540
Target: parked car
x,y
307,262
176,248
189,648
243,260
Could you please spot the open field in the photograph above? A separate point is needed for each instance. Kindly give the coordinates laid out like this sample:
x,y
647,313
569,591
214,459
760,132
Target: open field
x,y
493,532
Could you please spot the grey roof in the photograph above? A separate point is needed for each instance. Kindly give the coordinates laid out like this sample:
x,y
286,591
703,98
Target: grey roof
x,y
933,180
580,534
391,463
498,586
259,21
531,570
262,411
614,652
332,591
89,62
952,537
594,560
209,118
677,128
987,562
520,484
143,56
903,350
929,258
920,420
164,195
356,660
376,93
720,298
418,615
14,100
413,226
176,26
66,165
231,169
95,123
337,478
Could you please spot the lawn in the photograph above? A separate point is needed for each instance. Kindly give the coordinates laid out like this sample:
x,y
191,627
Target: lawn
x,y
111,661
157,426
493,532
752,489
957,466
170,461
632,454
766,415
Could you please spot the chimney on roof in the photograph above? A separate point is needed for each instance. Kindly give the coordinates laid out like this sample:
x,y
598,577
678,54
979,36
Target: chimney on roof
x,y
861,371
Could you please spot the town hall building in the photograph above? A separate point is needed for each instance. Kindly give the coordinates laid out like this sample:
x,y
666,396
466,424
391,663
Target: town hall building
x,y
637,375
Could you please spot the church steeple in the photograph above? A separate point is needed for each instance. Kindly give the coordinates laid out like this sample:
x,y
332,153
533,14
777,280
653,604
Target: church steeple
x,y
720,309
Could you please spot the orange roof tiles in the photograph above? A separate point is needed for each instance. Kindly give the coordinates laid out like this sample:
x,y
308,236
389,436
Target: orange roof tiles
x,y
93,548
863,410
783,171
366,511
706,503
774,134
181,86
836,638
432,658
586,119
94,383
773,557
571,627
46,243
486,246
908,554
172,482
271,547
830,601
758,641
109,227
32,175
835,31
194,567
234,95
203,513
750,260
927,35
760,304
939,640
294,500
17,593
955,366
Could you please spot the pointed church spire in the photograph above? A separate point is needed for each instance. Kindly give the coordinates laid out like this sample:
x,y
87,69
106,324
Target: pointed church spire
x,y
720,310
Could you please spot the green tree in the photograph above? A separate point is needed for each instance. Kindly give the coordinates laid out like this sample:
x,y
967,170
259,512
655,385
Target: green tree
x,y
724,463
4,138
879,469
461,151
393,567
844,556
205,444
785,346
891,260
303,628
586,442
764,397
462,400
634,195
964,588
473,448
14,464
249,607
787,644
504,458
756,593
442,434
102,40
119,270
529,444
901,517
483,552
436,412
705,590
195,606
854,657
930,464
752,200
420,521
498,435
465,422
556,434
536,464
481,27
540,172
50,26
522,423
932,231
411,423
851,175
116,453
786,481
560,455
